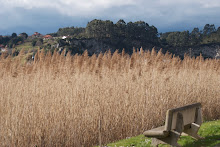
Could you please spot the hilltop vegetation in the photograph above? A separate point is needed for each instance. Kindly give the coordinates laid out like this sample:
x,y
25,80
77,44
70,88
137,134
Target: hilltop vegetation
x,y
59,100
99,36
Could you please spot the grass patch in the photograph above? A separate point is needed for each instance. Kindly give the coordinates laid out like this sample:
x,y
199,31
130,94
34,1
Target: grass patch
x,y
137,141
211,133
209,130
26,46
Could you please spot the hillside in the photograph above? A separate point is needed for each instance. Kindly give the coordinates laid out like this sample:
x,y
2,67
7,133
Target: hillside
x,y
100,36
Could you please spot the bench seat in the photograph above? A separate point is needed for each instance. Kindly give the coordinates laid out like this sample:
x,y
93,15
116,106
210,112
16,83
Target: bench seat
x,y
159,132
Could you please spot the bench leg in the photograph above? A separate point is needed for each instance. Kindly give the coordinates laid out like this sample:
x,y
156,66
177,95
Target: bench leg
x,y
173,135
171,139
156,142
193,130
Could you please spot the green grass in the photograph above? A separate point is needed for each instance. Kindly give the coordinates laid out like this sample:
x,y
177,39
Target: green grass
x,y
138,141
26,46
210,131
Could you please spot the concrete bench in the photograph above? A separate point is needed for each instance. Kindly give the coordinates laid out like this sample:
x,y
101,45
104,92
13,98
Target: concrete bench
x,y
185,119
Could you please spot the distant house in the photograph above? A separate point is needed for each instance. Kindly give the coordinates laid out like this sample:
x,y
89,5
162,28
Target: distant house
x,y
36,34
3,48
47,37
64,37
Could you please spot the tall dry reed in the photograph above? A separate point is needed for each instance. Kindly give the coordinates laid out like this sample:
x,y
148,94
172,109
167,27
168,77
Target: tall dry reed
x,y
79,100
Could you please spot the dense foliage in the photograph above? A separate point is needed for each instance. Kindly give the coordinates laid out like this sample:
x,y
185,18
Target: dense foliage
x,y
208,35
13,40
120,35
100,29
141,31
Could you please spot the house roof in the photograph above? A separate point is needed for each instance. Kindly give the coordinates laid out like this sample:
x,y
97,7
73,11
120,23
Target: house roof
x,y
36,34
48,36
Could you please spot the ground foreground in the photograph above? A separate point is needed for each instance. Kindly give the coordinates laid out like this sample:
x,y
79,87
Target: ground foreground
x,y
209,130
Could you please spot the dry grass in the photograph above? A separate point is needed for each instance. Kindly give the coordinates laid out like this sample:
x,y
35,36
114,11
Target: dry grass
x,y
60,101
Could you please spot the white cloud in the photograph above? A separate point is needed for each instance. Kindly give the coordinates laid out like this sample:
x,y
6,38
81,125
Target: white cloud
x,y
161,13
98,7
211,4
70,7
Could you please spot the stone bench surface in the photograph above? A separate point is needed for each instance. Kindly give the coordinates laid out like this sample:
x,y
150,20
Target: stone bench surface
x,y
157,132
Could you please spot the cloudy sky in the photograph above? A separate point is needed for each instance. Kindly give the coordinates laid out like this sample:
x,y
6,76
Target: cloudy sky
x,y
47,16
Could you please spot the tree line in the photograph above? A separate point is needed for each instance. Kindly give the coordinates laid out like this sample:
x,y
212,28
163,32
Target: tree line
x,y
209,35
123,33
128,35
100,29
14,39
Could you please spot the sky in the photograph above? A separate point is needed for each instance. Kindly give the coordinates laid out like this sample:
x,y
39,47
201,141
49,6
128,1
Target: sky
x,y
47,16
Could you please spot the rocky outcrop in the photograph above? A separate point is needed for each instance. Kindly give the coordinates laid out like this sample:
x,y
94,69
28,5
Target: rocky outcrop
x,y
93,46
98,46
207,51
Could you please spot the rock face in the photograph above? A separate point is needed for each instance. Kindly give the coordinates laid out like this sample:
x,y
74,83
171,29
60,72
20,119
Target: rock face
x,y
212,51
94,46
207,51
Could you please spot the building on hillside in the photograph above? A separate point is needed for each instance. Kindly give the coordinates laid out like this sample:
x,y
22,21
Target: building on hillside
x,y
37,35
64,37
3,48
47,37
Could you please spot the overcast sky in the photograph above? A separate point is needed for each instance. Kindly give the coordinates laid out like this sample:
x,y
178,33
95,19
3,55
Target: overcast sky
x,y
47,16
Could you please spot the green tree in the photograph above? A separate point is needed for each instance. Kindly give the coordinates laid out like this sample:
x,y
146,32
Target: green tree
x,y
178,39
163,38
13,35
14,41
195,37
99,29
72,31
121,28
184,39
24,35
130,30
153,34
141,30
208,29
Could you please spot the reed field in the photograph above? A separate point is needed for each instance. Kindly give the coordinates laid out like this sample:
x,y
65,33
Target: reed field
x,y
79,100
